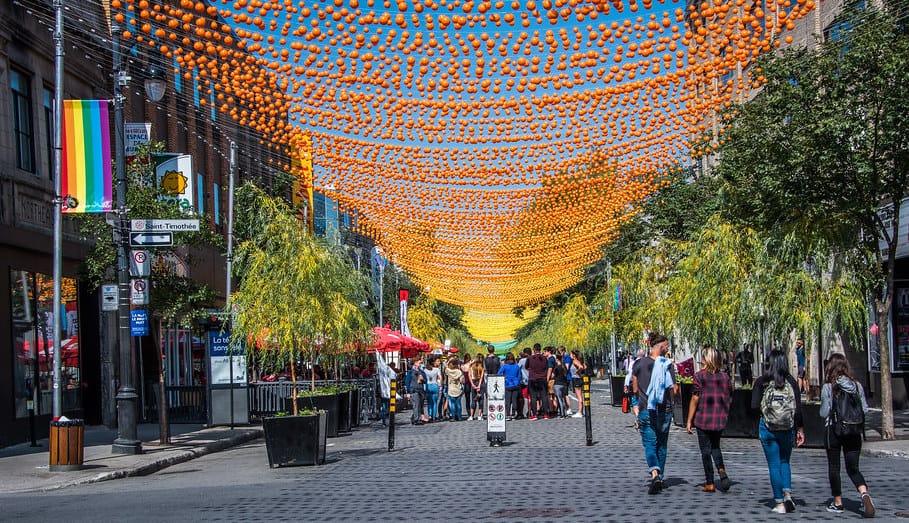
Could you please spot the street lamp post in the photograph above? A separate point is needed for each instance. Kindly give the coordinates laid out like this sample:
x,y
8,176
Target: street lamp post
x,y
127,441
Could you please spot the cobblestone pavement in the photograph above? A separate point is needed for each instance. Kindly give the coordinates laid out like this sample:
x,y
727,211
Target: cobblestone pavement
x,y
447,472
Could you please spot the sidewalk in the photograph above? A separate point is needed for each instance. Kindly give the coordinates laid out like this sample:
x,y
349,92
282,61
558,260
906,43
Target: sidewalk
x,y
25,468
875,446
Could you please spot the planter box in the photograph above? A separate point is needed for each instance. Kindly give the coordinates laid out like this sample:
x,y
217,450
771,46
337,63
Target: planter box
x,y
344,406
328,402
682,404
295,440
355,408
814,425
618,390
742,423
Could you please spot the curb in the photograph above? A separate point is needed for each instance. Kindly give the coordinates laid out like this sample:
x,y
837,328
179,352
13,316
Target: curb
x,y
882,453
164,462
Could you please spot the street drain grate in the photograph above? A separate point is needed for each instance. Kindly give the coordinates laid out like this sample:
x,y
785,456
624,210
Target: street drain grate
x,y
531,512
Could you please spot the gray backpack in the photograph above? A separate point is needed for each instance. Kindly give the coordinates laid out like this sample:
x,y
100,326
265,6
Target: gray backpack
x,y
778,407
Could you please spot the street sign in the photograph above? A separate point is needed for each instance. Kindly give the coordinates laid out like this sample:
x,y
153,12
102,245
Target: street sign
x,y
151,239
110,297
163,225
138,323
495,410
139,291
139,264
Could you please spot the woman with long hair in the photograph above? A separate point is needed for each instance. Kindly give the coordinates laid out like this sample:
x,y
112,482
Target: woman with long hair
x,y
578,368
776,396
711,398
840,388
455,379
560,386
477,378
433,373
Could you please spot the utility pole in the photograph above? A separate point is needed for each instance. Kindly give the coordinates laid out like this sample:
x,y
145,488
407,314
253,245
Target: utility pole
x,y
127,441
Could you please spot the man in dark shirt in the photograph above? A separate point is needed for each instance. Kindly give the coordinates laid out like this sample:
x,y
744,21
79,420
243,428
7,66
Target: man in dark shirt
x,y
654,422
538,368
492,363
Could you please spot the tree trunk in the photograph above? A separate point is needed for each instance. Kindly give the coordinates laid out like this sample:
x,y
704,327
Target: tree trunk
x,y
293,386
883,345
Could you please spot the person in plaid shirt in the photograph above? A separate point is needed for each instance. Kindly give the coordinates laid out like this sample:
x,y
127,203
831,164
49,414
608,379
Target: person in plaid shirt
x,y
711,397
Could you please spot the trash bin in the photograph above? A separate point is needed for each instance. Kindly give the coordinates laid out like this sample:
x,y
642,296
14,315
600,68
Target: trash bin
x,y
66,444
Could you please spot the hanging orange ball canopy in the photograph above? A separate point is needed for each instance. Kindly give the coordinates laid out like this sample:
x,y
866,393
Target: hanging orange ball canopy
x,y
492,148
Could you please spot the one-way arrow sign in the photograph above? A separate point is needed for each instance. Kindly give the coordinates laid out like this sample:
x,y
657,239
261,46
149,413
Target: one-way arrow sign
x,y
151,239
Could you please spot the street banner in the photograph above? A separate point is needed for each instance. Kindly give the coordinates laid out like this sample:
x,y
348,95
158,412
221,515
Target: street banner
x,y
220,357
495,409
136,134
86,162
403,296
173,174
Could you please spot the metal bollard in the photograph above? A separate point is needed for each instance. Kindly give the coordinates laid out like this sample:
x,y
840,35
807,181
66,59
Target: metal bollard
x,y
391,415
587,411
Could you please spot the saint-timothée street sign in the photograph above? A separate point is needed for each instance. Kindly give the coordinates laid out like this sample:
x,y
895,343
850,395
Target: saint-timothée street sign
x,y
154,225
151,239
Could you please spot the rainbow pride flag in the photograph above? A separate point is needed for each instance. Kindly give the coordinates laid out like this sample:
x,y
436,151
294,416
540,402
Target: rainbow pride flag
x,y
86,156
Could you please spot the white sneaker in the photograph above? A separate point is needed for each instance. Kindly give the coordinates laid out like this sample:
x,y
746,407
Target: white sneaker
x,y
569,412
778,509
577,415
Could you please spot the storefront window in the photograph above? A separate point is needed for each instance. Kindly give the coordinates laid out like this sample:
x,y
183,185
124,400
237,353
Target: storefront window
x,y
33,338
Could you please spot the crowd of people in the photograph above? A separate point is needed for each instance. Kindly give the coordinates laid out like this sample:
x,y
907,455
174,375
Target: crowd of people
x,y
540,383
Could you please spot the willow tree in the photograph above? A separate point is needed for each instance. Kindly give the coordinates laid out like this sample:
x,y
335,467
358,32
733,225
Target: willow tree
x,y
645,301
296,299
716,285
423,321
823,149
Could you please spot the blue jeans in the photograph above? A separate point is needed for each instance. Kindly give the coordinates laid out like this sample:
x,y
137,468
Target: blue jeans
x,y
454,406
778,449
654,427
432,400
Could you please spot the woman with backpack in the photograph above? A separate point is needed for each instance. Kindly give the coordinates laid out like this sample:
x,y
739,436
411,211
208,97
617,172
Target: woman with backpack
x,y
844,406
776,395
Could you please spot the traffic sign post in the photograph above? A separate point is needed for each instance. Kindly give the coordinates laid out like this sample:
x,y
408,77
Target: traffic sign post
x,y
151,239
138,322
139,291
139,264
154,225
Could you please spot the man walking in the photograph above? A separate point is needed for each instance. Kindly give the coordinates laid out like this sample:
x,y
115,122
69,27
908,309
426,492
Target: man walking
x,y
654,382
539,371
415,383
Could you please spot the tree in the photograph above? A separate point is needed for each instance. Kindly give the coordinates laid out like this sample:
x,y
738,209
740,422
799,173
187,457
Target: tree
x,y
824,147
298,298
423,321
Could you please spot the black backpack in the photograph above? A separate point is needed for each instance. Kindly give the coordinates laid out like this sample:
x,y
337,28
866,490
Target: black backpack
x,y
847,417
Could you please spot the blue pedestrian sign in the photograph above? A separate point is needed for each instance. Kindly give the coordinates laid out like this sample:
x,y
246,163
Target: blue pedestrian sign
x,y
138,323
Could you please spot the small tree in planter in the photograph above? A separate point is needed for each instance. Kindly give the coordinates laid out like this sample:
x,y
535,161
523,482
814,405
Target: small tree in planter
x,y
296,296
